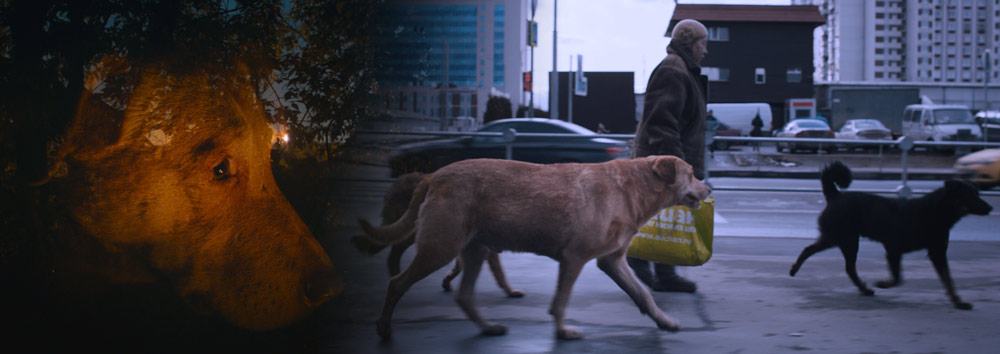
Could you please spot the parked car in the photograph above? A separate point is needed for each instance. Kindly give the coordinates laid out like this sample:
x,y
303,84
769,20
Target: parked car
x,y
989,122
805,128
982,167
937,122
428,156
725,130
866,129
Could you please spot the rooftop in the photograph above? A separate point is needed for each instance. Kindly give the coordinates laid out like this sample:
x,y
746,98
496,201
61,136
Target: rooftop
x,y
748,13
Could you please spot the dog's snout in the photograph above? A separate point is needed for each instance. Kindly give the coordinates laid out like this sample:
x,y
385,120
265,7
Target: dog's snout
x,y
322,287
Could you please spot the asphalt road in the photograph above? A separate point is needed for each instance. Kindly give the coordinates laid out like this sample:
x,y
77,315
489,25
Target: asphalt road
x,y
746,301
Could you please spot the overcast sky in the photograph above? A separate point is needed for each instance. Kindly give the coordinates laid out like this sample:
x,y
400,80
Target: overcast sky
x,y
612,35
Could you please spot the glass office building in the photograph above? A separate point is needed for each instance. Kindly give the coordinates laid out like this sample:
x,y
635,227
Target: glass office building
x,y
476,47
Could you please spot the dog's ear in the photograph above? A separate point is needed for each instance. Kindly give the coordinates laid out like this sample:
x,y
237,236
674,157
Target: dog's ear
x,y
666,167
99,115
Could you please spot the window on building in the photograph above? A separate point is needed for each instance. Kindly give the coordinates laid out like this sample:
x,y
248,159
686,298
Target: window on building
x,y
794,75
759,76
716,74
718,34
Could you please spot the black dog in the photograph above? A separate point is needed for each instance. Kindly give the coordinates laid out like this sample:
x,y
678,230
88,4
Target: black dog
x,y
901,225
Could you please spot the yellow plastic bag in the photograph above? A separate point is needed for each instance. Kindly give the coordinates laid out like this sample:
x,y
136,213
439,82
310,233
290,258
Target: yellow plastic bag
x,y
677,236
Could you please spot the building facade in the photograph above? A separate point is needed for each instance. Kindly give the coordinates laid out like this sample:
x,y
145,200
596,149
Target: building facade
x,y
444,58
909,40
756,53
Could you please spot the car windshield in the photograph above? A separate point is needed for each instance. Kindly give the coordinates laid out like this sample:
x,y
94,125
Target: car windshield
x,y
953,116
868,124
811,124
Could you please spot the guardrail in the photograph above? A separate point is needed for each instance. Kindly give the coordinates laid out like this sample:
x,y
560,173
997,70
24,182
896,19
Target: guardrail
x,y
904,144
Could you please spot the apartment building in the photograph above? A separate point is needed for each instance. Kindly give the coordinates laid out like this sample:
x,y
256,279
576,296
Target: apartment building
x,y
920,41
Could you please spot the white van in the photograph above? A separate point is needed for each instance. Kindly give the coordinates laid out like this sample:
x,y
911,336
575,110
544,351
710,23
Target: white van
x,y
939,122
739,115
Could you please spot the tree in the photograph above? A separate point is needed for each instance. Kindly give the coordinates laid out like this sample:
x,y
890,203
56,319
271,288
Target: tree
x,y
497,107
312,61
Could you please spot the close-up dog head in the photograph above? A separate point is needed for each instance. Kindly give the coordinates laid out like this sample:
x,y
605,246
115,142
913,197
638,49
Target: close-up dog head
x,y
680,176
173,185
963,197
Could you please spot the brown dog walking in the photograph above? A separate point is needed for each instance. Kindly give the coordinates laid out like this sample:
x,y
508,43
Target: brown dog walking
x,y
571,213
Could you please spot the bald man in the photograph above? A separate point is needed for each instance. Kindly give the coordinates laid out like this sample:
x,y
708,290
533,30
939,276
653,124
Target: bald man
x,y
673,123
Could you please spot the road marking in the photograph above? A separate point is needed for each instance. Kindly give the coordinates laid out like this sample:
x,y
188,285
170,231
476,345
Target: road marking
x,y
719,219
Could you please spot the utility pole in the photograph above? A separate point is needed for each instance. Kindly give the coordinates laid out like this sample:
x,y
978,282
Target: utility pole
x,y
531,28
569,95
554,77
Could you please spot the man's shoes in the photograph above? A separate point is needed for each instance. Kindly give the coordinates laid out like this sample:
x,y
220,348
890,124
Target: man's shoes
x,y
674,283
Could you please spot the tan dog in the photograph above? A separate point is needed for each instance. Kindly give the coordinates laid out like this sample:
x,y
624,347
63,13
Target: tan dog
x,y
570,212
394,205
173,186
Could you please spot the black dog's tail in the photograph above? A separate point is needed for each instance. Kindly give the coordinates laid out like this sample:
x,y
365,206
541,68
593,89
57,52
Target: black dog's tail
x,y
835,173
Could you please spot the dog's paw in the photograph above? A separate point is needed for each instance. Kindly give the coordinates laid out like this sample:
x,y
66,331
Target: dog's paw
x,y
885,284
867,292
384,331
669,325
495,330
568,333
795,269
515,294
446,284
961,305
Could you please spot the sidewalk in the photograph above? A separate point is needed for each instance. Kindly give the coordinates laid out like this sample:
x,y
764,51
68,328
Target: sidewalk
x,y
746,303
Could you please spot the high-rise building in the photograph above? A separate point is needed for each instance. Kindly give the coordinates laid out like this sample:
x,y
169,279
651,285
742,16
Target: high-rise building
x,y
928,41
444,58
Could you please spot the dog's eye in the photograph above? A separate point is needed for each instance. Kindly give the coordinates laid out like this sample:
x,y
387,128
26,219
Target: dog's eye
x,y
221,171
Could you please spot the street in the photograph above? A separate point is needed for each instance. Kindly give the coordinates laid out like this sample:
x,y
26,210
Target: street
x,y
746,302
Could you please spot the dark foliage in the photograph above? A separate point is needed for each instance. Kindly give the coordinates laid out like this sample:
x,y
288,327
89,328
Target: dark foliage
x,y
497,108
